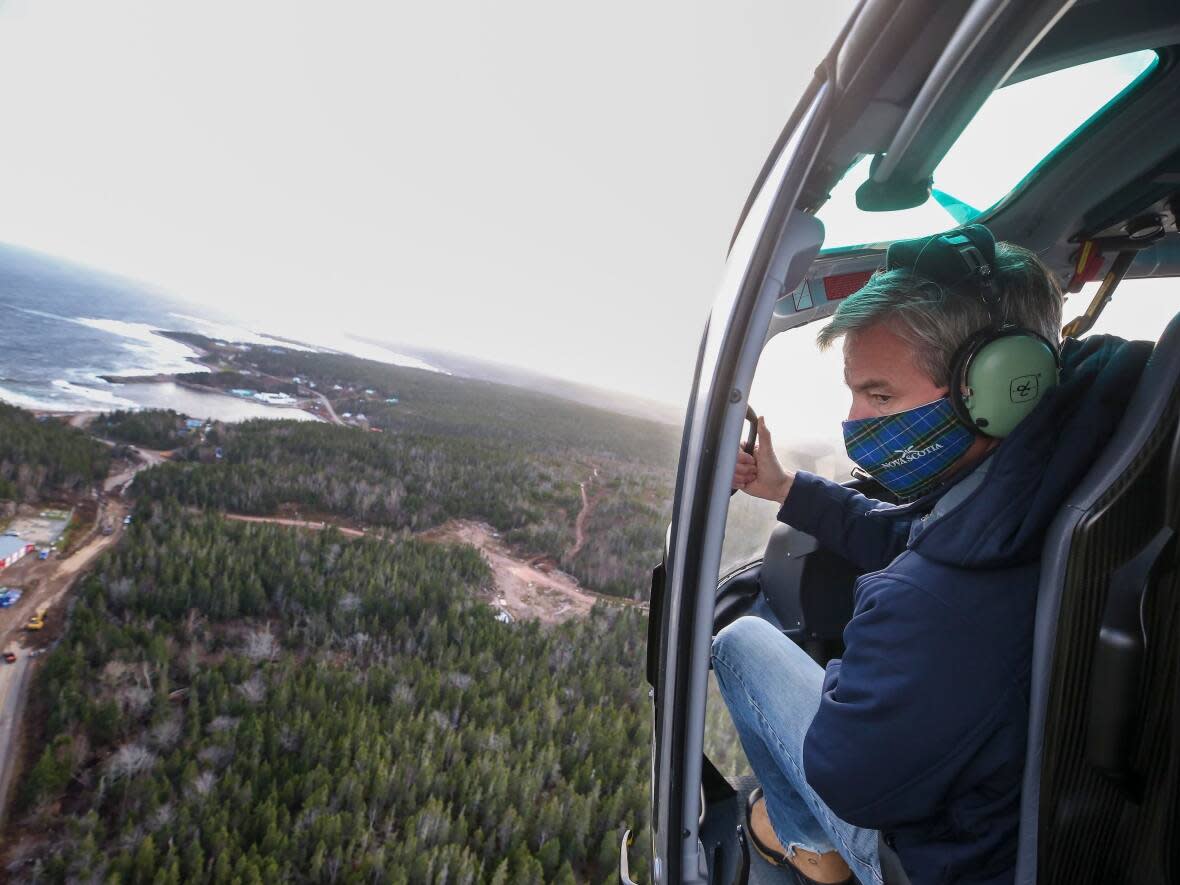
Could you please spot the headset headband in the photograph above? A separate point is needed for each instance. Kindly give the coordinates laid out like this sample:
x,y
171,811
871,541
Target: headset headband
x,y
964,256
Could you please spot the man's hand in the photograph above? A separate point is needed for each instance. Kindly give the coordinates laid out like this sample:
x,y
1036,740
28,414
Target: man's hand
x,y
760,474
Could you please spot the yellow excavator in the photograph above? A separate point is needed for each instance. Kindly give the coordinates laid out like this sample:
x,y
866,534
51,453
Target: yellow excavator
x,y
37,621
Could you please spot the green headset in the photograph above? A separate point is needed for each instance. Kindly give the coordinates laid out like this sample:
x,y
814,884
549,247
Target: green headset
x,y
1000,373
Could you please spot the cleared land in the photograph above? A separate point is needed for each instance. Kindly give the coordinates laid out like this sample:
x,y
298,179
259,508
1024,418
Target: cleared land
x,y
39,526
525,589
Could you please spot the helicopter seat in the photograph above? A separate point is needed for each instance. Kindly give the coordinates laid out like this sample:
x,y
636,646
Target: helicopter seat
x,y
1100,782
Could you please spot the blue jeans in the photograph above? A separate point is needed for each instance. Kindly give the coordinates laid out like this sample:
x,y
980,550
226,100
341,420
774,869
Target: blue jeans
x,y
772,689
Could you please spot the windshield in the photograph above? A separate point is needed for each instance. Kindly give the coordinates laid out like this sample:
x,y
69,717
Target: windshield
x,y
1018,128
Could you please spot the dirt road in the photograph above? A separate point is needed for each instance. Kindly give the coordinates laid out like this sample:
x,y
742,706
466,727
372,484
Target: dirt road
x,y
297,523
147,458
583,516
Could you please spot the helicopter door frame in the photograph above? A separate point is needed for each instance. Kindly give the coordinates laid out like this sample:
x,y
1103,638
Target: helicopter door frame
x,y
769,258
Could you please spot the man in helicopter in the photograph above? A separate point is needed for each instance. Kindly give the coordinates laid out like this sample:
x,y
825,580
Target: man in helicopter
x,y
967,410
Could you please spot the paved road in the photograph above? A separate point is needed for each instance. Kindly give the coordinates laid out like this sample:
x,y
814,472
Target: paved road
x,y
14,680
328,405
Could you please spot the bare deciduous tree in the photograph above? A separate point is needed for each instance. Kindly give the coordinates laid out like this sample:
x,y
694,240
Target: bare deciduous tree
x,y
261,644
254,688
129,760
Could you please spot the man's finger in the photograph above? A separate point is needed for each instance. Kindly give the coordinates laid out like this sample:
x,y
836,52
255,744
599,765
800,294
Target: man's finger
x,y
746,458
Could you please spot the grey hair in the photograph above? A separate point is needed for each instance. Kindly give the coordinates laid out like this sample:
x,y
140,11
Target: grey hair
x,y
935,321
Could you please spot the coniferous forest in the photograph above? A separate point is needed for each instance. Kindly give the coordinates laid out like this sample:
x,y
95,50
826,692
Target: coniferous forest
x,y
416,480
44,457
244,703
241,702
153,428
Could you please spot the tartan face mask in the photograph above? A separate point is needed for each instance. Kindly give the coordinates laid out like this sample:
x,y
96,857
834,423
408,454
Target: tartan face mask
x,y
911,451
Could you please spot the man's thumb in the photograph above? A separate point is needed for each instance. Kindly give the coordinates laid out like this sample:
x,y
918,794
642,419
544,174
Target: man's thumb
x,y
763,434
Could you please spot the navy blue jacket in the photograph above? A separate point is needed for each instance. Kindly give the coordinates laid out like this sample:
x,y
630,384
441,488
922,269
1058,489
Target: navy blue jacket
x,y
922,726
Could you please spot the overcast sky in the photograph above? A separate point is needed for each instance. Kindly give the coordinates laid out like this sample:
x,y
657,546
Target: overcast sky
x,y
539,182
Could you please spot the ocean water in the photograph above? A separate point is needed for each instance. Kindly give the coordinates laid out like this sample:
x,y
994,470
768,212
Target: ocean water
x,y
63,326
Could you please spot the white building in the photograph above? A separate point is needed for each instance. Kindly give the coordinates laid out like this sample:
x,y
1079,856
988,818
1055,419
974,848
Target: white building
x,y
276,399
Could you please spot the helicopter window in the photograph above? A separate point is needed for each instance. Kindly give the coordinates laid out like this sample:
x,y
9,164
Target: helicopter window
x,y
800,392
721,742
1140,309
1033,119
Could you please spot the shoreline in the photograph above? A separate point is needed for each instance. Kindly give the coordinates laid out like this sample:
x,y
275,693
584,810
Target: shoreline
x,y
80,416
201,358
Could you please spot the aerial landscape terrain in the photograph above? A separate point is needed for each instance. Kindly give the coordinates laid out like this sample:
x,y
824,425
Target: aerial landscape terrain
x,y
398,642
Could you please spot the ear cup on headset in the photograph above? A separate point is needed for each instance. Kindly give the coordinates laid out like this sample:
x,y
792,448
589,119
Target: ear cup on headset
x,y
999,376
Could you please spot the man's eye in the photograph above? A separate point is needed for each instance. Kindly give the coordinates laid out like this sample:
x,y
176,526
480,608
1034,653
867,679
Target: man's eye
x,y
880,399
